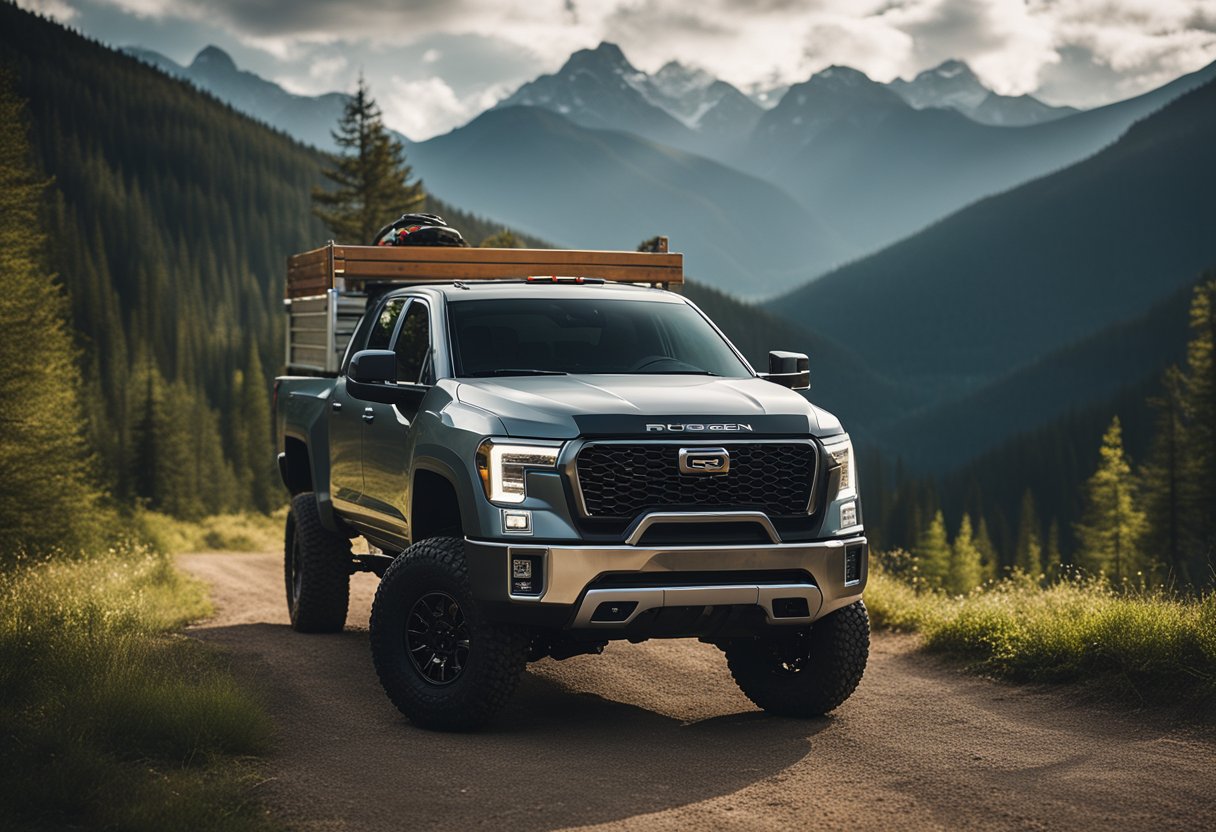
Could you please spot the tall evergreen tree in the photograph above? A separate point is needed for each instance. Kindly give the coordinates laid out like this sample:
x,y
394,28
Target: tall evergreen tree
x,y
503,239
1199,466
966,570
1051,554
48,498
932,554
255,414
1112,522
989,558
371,177
1028,552
1163,478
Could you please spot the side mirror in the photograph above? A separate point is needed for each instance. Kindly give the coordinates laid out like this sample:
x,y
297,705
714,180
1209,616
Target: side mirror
x,y
371,366
372,377
789,369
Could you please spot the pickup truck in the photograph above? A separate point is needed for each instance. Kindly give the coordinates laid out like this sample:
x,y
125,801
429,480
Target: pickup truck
x,y
543,464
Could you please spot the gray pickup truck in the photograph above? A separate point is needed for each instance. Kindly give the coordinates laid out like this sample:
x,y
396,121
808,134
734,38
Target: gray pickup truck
x,y
542,466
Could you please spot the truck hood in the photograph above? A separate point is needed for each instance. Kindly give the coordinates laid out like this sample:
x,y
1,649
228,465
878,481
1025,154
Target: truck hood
x,y
564,407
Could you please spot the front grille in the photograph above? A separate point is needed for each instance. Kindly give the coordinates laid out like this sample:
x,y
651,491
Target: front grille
x,y
622,480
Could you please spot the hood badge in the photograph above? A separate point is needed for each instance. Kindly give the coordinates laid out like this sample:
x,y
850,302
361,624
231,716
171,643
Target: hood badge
x,y
728,427
704,460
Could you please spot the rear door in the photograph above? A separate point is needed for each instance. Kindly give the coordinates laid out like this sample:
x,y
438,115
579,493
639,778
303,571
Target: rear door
x,y
386,436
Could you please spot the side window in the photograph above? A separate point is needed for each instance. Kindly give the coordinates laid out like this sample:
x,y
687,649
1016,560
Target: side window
x,y
413,346
382,328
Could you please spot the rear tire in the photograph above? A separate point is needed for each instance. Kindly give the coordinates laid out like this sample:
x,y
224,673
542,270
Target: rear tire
x,y
806,672
316,570
440,661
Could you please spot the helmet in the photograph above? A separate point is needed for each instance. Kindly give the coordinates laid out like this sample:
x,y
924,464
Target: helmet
x,y
418,230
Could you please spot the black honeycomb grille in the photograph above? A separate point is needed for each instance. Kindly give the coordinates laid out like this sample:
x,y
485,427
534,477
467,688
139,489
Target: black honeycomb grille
x,y
624,480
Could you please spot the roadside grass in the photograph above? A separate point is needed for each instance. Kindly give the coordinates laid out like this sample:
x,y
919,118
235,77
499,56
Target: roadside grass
x,y
1148,645
249,532
108,717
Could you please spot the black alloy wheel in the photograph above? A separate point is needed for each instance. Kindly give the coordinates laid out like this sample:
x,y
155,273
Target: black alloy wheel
x,y
437,638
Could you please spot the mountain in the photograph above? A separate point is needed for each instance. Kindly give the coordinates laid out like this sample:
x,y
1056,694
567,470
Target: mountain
x,y
681,106
599,88
1092,370
308,119
171,216
607,189
851,149
953,85
1007,281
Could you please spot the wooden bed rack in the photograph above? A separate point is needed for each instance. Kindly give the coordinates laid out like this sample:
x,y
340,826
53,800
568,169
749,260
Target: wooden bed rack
x,y
351,268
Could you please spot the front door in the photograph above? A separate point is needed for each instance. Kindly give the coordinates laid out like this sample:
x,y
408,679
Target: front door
x,y
348,416
386,438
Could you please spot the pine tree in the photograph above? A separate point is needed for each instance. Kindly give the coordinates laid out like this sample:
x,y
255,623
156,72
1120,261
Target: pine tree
x,y
255,413
503,239
989,557
1162,478
1028,553
48,498
1051,555
966,570
371,176
932,553
1112,522
1199,465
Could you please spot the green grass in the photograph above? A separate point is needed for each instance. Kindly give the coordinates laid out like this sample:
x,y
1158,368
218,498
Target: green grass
x,y
217,533
1145,644
108,717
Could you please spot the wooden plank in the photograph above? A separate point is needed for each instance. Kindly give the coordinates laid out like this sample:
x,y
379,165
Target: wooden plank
x,y
441,254
490,271
314,272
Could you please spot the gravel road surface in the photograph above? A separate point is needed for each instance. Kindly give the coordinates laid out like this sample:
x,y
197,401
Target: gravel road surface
x,y
656,736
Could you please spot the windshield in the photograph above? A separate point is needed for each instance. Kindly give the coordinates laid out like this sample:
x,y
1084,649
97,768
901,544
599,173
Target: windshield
x,y
525,336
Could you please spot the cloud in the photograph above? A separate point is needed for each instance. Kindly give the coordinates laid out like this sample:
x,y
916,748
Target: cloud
x,y
59,10
426,107
1083,52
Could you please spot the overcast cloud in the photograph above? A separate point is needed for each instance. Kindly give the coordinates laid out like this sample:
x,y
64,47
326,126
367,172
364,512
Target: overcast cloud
x,y
435,63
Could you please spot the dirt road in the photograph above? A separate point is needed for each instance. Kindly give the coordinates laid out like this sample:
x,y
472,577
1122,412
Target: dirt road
x,y
656,736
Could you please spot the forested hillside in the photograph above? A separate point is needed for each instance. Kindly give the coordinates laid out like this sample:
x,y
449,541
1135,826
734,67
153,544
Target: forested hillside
x,y
1015,277
170,219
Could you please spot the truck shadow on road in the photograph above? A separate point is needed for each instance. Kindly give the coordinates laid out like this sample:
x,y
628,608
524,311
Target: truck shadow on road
x,y
556,757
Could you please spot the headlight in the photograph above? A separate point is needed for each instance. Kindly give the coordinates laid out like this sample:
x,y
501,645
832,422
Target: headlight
x,y
502,464
842,453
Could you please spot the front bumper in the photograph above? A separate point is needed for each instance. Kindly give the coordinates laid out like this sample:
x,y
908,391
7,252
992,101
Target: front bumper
x,y
575,580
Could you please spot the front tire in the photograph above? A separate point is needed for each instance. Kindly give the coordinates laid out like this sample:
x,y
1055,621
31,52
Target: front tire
x,y
440,661
316,570
806,672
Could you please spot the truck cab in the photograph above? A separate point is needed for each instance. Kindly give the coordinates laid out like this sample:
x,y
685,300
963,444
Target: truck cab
x,y
544,465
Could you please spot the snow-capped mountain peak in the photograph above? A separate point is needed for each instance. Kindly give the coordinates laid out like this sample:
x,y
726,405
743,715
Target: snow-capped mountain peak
x,y
953,85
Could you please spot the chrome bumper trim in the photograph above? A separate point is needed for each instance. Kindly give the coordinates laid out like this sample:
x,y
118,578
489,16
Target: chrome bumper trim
x,y
648,598
571,567
661,518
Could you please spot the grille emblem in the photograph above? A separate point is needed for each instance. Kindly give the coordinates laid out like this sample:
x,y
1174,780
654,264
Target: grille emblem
x,y
704,460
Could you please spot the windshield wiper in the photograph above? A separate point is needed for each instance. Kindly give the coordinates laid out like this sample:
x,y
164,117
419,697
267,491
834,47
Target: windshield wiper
x,y
515,371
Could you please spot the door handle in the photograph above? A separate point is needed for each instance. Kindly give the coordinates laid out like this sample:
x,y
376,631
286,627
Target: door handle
x,y
369,415
335,406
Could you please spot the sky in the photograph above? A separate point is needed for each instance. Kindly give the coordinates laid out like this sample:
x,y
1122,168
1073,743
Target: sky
x,y
434,64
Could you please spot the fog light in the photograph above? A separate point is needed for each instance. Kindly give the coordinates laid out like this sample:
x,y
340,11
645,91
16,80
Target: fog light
x,y
516,522
527,572
848,515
